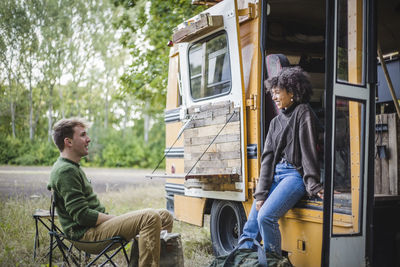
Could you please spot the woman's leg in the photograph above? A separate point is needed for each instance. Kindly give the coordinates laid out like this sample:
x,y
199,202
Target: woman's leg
x,y
250,229
288,191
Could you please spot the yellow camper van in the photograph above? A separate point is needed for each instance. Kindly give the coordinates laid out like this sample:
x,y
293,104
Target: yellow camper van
x,y
218,113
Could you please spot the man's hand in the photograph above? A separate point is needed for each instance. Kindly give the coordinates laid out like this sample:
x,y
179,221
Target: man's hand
x,y
103,217
259,204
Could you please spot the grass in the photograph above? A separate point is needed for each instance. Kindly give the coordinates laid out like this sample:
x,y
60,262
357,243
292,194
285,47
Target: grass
x,y
17,228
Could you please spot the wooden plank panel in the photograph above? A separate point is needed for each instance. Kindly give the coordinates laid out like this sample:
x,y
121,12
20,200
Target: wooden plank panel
x,y
378,171
214,132
393,159
398,156
385,162
175,180
387,169
189,209
195,29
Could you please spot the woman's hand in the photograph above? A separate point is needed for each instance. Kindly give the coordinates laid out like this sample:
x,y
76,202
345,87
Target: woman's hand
x,y
259,204
320,194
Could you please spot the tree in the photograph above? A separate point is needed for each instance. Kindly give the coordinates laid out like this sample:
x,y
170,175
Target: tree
x,y
29,52
147,27
13,27
60,59
54,30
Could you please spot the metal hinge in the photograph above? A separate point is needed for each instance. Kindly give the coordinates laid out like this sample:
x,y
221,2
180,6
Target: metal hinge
x,y
248,13
252,102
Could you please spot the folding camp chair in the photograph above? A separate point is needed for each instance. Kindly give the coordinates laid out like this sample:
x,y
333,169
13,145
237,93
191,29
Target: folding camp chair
x,y
114,244
42,218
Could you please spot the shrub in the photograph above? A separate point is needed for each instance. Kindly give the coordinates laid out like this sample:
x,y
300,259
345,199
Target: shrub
x,y
110,148
9,149
37,153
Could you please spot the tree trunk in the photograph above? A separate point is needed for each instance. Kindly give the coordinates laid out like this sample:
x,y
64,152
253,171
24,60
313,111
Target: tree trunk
x,y
38,110
62,102
78,106
12,107
146,124
50,113
31,130
50,119
106,104
126,110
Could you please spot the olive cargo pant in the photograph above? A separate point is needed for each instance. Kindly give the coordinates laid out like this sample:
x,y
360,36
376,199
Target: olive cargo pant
x,y
147,223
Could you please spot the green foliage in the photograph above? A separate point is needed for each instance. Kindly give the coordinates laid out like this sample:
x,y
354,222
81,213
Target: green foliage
x,y
9,148
110,148
43,41
126,148
38,153
146,79
26,152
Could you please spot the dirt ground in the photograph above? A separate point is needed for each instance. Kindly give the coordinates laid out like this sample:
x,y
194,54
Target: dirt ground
x,y
31,181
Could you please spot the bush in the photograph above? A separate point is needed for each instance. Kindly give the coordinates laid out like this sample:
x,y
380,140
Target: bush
x,y
37,153
9,149
109,148
25,152
126,148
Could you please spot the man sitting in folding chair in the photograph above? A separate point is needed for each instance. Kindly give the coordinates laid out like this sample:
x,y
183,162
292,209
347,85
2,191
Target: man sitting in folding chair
x,y
81,214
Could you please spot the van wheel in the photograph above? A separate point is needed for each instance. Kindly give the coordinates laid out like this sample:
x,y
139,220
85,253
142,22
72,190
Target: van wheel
x,y
226,225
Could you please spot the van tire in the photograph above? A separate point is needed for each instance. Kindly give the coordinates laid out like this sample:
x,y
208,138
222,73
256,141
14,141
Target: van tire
x,y
226,225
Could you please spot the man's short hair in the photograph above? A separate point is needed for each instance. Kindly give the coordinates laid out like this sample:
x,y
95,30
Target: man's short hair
x,y
64,128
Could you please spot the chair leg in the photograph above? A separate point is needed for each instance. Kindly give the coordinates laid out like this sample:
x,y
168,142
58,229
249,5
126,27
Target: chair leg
x,y
61,247
51,250
100,254
126,254
109,258
123,244
36,244
72,256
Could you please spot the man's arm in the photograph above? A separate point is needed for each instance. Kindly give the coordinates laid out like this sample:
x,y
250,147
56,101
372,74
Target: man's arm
x,y
103,217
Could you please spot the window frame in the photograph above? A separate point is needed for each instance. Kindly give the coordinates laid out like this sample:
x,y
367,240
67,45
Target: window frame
x,y
364,47
204,40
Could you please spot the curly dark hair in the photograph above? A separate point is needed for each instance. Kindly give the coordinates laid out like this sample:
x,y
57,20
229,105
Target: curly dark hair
x,y
294,80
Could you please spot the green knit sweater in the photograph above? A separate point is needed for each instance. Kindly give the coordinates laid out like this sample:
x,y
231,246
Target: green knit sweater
x,y
77,205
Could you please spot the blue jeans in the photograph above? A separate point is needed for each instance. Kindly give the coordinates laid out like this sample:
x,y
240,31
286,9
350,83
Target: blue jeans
x,y
286,190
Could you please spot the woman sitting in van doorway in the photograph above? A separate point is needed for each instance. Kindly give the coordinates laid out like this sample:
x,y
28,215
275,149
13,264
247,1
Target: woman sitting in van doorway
x,y
289,162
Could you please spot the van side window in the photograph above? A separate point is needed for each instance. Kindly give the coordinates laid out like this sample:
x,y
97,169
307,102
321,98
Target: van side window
x,y
210,70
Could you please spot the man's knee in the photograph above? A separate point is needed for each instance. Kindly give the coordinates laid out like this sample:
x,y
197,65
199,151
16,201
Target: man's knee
x,y
167,219
153,218
166,216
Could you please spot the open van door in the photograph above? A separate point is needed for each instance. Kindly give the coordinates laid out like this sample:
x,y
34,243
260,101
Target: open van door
x,y
213,101
214,115
349,137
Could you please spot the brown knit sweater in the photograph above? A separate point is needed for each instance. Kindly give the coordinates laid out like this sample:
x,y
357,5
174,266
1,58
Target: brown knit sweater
x,y
292,135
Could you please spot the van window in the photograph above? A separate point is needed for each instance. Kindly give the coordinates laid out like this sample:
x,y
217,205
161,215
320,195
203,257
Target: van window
x,y
210,70
350,47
